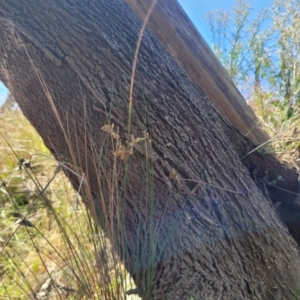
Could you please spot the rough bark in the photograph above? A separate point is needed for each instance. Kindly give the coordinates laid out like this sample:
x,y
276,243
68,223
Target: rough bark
x,y
191,52
216,234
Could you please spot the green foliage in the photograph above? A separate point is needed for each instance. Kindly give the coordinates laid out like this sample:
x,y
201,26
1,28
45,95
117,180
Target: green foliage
x,y
261,54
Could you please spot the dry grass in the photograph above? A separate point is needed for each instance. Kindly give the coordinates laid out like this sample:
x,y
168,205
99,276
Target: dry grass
x,y
50,246
284,134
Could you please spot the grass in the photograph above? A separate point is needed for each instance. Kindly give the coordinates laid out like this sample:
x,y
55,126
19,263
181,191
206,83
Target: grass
x,y
50,246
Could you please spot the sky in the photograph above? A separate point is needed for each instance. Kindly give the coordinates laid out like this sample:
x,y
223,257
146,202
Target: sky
x,y
196,10
3,93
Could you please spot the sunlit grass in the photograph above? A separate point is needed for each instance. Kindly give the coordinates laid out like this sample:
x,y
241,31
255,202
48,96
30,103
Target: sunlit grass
x,y
50,246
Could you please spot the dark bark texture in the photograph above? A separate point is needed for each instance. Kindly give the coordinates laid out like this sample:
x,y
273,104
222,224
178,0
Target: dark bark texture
x,y
191,52
216,234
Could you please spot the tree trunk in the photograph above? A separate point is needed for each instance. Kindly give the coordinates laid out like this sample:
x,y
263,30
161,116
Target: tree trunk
x,y
192,53
188,220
